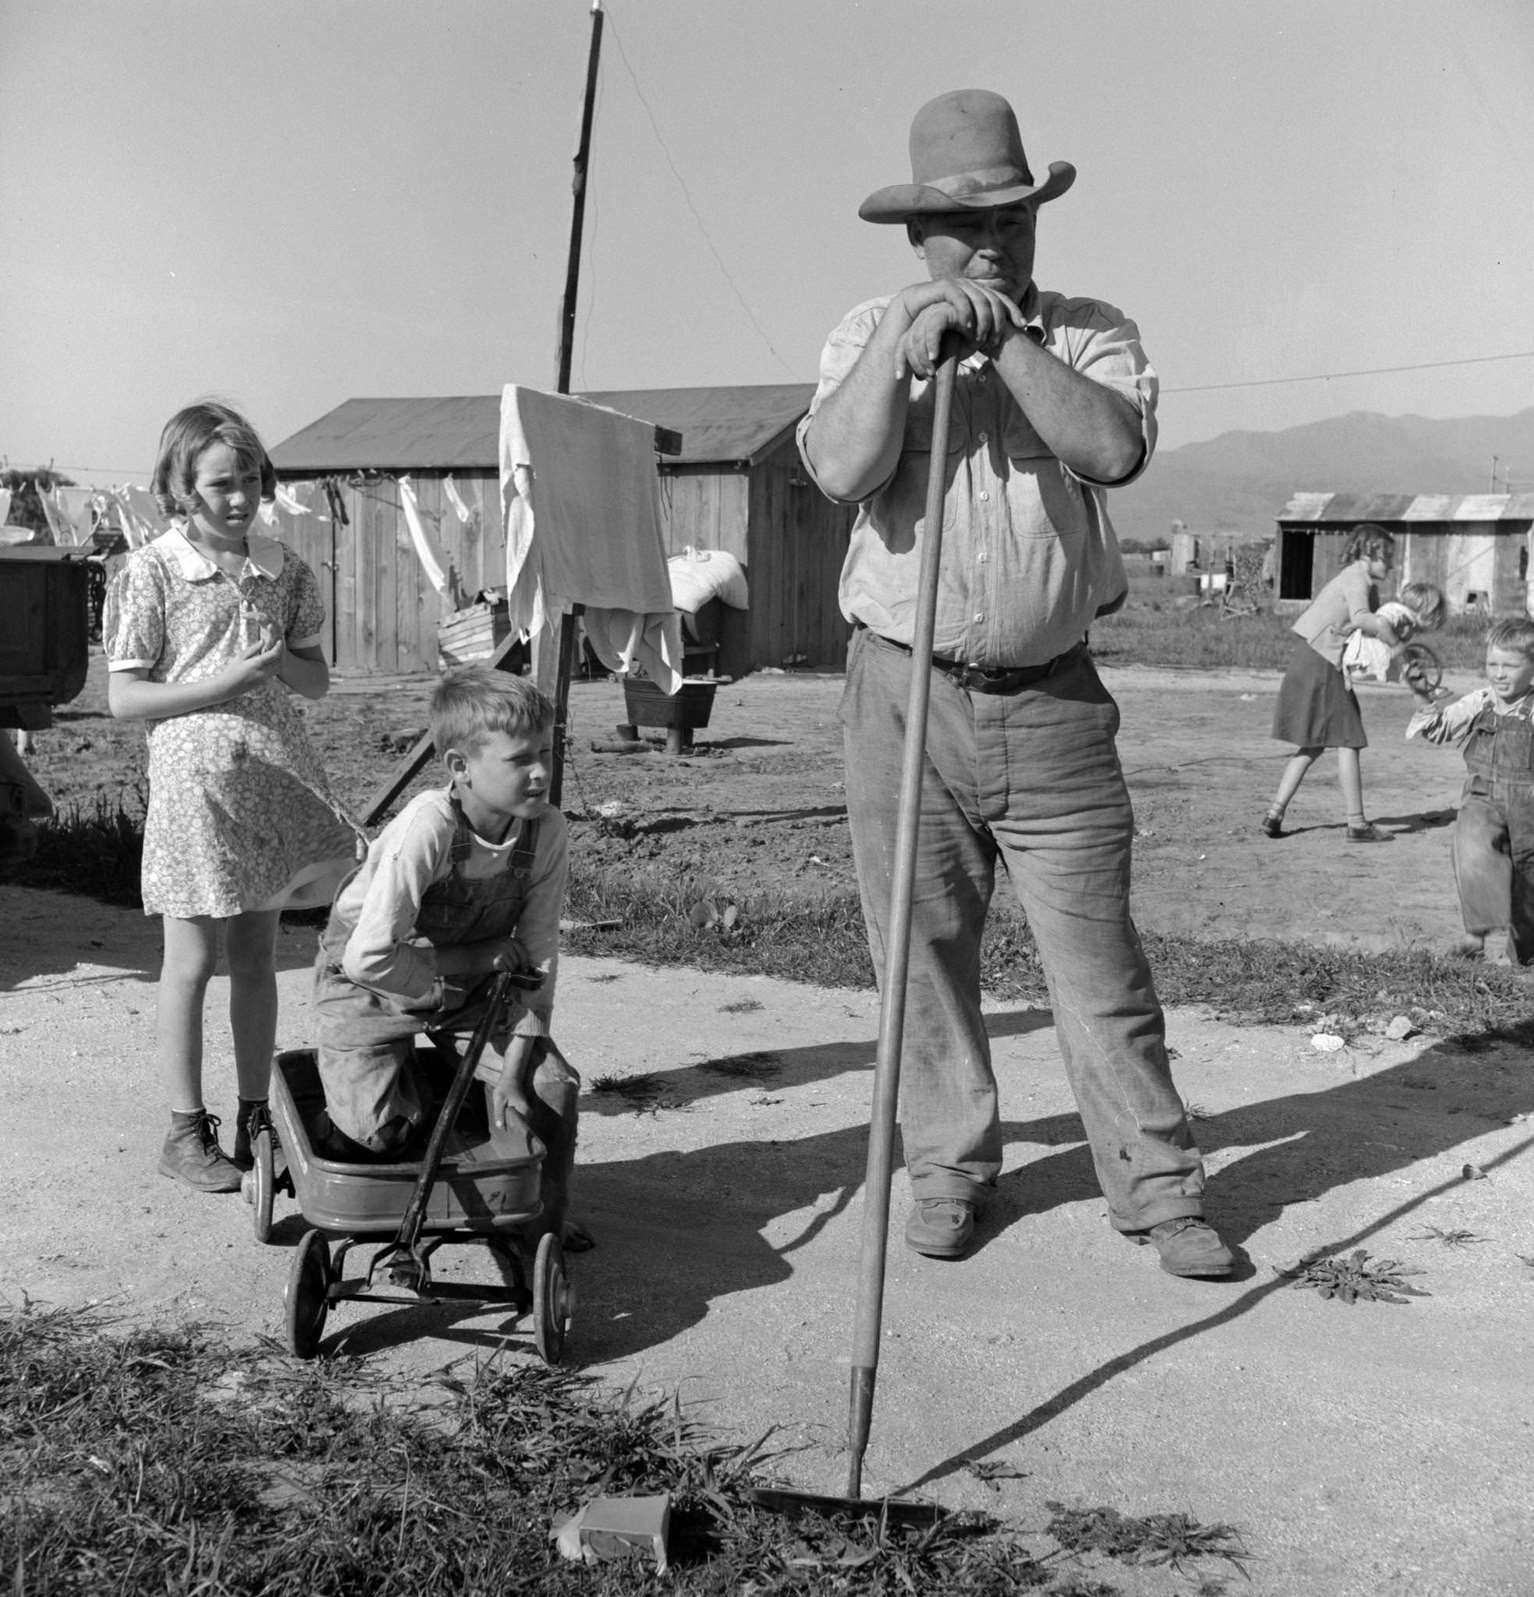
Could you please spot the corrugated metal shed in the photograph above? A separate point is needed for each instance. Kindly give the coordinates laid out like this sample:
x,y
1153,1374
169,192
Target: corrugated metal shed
x,y
1349,509
736,425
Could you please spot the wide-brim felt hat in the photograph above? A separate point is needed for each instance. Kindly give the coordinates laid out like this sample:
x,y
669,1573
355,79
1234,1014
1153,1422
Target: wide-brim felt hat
x,y
966,155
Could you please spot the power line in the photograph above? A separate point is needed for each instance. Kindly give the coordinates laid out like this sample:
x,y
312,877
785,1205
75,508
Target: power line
x,y
1370,371
687,196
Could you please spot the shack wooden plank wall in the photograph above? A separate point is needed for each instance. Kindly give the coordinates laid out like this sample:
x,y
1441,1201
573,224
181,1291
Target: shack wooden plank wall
x,y
1480,566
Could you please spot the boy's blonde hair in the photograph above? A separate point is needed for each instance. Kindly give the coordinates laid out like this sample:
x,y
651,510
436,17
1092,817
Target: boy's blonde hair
x,y
471,703
1514,633
187,434
1425,600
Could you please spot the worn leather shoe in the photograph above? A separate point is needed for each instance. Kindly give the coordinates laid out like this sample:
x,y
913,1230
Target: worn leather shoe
x,y
192,1155
1189,1246
941,1228
1272,826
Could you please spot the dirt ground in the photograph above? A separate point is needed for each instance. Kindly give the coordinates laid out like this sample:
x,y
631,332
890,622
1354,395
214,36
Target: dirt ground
x,y
1364,1449
760,800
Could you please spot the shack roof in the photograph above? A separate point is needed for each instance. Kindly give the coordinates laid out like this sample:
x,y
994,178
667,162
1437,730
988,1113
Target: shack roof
x,y
1349,509
718,425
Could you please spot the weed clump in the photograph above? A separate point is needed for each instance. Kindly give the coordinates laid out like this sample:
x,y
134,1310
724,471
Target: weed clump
x,y
1357,1276
1156,1539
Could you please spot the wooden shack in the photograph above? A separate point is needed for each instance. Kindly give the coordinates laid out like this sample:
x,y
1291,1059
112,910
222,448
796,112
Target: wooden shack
x,y
736,485
1476,547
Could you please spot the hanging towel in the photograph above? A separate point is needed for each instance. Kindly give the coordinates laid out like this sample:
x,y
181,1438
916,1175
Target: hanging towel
x,y
455,499
289,501
427,552
5,506
579,504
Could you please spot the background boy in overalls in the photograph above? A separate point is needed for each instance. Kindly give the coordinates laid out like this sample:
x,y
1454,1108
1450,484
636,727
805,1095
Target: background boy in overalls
x,y
466,880
1493,837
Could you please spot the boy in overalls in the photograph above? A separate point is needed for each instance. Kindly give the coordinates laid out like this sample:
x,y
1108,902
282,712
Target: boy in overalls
x,y
466,880
1493,838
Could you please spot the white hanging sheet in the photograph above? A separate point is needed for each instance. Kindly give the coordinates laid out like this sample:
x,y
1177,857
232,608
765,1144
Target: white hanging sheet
x,y
580,507
433,562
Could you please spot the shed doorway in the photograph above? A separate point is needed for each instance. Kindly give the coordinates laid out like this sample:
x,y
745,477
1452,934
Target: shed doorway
x,y
1296,566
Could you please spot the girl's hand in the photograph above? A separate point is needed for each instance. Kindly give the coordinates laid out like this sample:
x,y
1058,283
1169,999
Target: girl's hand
x,y
260,662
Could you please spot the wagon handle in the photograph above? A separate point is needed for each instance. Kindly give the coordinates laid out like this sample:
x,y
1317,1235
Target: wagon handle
x,y
408,1267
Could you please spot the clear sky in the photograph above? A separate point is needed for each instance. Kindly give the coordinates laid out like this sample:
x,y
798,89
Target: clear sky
x,y
293,202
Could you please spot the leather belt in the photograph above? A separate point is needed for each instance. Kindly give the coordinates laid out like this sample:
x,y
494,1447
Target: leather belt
x,y
991,679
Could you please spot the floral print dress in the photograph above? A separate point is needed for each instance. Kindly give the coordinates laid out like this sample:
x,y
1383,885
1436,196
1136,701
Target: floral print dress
x,y
240,813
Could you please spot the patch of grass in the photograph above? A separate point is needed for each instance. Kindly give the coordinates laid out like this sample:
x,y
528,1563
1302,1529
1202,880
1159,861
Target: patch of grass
x,y
93,847
1172,1540
653,917
1245,981
1152,629
741,1006
163,1462
1347,1280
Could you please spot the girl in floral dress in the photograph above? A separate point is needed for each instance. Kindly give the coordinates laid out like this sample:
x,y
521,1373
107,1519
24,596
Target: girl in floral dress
x,y
209,630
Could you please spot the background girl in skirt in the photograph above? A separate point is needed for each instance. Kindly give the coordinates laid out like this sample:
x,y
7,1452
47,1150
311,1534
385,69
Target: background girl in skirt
x,y
1316,708
208,631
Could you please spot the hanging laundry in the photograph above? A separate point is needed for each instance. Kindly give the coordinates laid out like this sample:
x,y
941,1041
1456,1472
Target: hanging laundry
x,y
455,499
5,505
432,561
698,575
80,509
579,504
150,521
289,501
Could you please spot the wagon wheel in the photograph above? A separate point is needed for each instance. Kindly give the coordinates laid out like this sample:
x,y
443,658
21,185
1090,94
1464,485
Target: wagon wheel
x,y
552,1299
263,1183
305,1300
1421,659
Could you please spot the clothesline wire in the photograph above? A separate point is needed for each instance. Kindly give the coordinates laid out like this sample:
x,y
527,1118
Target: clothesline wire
x,y
696,216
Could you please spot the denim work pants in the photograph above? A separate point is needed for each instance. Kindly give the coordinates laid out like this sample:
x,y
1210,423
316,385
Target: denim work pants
x,y
1492,846
1031,779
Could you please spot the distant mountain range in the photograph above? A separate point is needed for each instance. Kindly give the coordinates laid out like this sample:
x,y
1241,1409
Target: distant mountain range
x,y
1241,481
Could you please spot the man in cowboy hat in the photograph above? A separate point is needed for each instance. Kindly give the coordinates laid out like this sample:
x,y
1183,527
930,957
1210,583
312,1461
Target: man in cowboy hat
x,y
1054,402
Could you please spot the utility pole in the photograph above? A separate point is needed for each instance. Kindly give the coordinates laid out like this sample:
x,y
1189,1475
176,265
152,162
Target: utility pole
x,y
564,651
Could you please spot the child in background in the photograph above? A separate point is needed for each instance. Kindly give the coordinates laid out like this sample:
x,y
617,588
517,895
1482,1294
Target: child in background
x,y
208,632
1316,708
1493,838
467,879
1418,607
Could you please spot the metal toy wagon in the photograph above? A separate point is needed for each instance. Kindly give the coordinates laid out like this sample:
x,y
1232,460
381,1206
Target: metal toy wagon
x,y
461,1189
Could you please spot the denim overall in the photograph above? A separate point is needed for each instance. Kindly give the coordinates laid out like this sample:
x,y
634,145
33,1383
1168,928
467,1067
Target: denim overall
x,y
378,1090
1493,839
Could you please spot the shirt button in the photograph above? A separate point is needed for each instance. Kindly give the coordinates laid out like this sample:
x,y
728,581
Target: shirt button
x,y
980,615
985,497
982,557
983,438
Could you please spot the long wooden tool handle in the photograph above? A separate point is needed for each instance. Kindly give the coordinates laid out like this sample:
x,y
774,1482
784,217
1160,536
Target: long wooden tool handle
x,y
897,949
